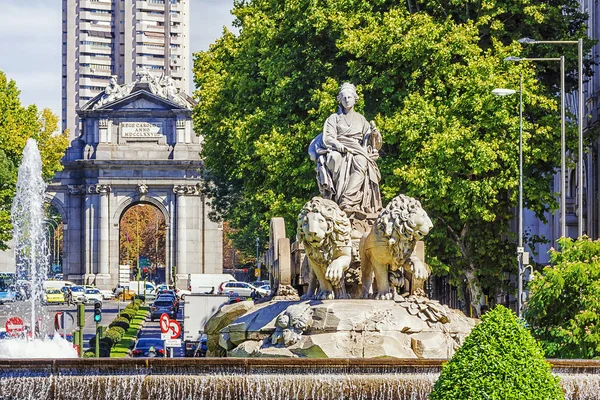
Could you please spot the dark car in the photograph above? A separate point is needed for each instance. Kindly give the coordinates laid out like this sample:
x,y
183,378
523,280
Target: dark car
x,y
171,297
162,306
234,298
148,347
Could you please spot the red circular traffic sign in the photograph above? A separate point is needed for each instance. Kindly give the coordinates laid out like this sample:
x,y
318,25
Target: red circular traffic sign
x,y
14,326
164,323
175,329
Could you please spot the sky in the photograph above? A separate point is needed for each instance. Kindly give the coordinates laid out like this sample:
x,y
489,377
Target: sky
x,y
31,43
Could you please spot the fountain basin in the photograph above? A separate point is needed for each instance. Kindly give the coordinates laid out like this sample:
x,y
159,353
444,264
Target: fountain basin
x,y
251,378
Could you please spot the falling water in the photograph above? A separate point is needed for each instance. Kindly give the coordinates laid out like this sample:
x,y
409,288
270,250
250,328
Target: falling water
x,y
27,216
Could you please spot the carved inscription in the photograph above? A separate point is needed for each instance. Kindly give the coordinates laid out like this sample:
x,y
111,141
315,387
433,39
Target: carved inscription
x,y
140,129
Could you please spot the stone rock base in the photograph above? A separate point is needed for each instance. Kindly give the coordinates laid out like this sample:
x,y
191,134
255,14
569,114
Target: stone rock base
x,y
412,327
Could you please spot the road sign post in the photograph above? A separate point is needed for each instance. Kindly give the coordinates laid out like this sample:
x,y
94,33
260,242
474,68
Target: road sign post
x,y
14,326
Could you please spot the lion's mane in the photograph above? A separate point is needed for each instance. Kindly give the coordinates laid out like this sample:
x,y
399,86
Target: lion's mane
x,y
338,227
395,224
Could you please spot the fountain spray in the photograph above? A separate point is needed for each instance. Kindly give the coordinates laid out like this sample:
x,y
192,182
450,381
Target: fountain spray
x,y
27,216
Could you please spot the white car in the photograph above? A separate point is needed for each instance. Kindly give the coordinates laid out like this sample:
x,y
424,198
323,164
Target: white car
x,y
181,293
92,296
243,289
107,294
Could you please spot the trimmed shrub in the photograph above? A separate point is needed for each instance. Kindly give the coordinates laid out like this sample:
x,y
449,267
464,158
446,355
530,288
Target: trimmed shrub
x,y
118,329
114,335
91,353
120,322
128,314
499,360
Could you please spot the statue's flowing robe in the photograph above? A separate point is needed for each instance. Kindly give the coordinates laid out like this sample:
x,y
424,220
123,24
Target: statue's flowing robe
x,y
346,171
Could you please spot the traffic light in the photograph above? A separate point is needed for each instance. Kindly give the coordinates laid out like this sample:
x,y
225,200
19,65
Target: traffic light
x,y
97,312
145,273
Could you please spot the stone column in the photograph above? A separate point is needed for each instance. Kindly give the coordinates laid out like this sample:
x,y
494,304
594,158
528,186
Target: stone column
x,y
180,235
103,268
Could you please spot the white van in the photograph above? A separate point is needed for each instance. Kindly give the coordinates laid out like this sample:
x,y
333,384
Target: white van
x,y
56,284
207,283
138,286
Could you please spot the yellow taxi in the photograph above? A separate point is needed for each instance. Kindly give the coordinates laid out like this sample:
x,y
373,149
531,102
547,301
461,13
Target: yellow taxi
x,y
54,296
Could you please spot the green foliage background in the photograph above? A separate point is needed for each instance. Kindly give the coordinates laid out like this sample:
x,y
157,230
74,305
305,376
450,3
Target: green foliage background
x,y
425,71
499,360
17,124
564,304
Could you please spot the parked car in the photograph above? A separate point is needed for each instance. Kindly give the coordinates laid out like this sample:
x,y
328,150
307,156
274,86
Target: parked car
x,y
234,298
181,293
266,288
78,293
7,295
54,296
126,295
260,283
162,306
92,296
242,288
107,294
148,347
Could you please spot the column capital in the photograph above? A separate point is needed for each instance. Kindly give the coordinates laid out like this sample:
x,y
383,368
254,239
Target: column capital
x,y
186,189
99,189
76,189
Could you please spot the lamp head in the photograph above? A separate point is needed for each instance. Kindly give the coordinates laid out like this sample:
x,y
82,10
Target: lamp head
x,y
527,41
513,58
503,92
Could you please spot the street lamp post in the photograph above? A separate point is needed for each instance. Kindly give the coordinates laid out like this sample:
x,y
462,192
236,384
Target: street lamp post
x,y
521,254
579,43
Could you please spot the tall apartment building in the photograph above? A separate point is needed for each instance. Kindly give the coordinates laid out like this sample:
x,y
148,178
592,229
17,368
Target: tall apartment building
x,y
118,37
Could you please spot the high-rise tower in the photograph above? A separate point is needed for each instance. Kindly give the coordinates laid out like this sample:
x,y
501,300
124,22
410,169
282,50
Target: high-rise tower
x,y
119,37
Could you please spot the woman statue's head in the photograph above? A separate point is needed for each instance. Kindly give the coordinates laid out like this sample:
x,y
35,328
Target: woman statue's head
x,y
347,96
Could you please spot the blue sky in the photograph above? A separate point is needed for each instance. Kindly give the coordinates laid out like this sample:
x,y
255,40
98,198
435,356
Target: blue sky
x,y
30,43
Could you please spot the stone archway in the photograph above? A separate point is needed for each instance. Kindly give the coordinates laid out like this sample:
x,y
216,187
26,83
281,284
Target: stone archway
x,y
143,233
140,148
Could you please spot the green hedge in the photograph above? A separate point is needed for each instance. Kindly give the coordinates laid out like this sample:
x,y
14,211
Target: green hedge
x,y
499,360
122,322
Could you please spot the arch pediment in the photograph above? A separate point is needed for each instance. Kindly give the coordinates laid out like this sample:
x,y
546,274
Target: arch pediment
x,y
137,100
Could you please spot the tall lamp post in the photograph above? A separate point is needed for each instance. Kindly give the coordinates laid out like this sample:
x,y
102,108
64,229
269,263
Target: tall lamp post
x,y
579,120
522,256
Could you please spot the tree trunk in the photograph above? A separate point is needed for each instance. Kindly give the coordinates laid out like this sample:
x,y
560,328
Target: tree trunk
x,y
475,292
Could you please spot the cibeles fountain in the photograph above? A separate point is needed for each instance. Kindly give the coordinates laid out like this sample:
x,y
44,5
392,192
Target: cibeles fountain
x,y
365,294
363,329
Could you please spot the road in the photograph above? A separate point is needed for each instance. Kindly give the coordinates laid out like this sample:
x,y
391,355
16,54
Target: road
x,y
152,330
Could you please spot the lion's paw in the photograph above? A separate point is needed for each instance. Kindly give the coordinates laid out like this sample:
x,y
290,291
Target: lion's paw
x,y
334,273
384,296
419,269
324,295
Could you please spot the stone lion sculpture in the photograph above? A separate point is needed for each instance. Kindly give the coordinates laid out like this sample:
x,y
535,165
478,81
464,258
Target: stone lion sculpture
x,y
387,250
324,230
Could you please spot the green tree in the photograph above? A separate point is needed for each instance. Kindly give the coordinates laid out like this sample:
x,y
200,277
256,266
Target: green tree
x,y
17,124
564,304
499,360
425,79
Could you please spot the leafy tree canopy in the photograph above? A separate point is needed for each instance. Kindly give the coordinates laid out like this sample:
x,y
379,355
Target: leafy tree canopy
x,y
564,303
499,360
425,75
17,124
